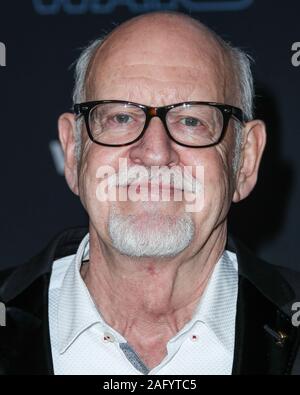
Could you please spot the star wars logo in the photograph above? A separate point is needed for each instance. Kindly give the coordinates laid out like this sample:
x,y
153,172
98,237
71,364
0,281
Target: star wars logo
x,y
81,7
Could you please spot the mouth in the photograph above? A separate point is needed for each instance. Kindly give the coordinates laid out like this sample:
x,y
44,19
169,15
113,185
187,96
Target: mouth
x,y
152,187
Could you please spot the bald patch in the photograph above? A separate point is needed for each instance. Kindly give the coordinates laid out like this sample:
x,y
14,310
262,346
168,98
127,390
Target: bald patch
x,y
160,40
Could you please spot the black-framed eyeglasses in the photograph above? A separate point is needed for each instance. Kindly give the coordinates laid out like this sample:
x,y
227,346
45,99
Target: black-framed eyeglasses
x,y
117,123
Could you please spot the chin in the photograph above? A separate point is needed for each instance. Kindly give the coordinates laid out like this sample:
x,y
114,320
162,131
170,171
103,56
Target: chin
x,y
150,234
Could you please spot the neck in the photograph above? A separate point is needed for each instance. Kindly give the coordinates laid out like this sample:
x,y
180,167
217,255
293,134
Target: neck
x,y
147,297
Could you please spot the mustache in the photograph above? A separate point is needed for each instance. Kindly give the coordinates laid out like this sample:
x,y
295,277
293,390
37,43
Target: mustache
x,y
173,177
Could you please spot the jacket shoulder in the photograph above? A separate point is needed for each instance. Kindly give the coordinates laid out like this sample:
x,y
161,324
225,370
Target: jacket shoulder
x,y
280,285
292,277
16,279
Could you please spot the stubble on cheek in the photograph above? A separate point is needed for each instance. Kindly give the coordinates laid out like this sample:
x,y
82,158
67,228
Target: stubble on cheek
x,y
218,183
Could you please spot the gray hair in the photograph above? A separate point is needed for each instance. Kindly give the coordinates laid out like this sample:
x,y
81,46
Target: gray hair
x,y
79,92
241,63
241,69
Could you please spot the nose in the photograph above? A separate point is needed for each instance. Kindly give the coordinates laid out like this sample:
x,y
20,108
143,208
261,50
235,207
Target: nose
x,y
155,148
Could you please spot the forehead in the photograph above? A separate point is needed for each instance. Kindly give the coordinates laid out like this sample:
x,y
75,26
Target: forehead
x,y
158,67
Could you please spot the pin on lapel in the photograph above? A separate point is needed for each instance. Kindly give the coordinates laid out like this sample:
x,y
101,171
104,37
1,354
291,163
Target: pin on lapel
x,y
279,336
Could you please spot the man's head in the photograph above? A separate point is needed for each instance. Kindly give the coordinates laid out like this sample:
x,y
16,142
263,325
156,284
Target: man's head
x,y
156,60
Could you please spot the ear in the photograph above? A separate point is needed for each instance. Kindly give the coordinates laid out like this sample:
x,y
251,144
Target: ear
x,y
66,131
252,150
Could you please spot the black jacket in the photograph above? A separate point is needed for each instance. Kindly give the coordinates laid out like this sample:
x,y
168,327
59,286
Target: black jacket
x,y
266,341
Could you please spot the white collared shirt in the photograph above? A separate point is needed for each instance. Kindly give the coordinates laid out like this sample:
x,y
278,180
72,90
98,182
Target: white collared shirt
x,y
83,343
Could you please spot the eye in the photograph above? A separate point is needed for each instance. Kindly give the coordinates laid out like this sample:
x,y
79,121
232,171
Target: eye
x,y
123,118
190,121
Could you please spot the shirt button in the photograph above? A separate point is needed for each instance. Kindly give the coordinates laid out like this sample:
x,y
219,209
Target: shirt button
x,y
194,338
108,337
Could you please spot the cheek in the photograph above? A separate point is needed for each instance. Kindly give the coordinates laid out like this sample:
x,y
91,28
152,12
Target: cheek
x,y
95,162
93,159
217,185
88,183
219,177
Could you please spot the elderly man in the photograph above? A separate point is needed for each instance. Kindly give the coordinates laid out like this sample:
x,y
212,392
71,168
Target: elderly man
x,y
161,141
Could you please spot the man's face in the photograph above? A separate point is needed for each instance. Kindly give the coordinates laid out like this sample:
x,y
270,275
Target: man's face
x,y
156,68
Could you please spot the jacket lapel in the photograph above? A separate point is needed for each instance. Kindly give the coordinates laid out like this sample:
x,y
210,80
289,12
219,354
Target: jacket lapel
x,y
265,340
25,346
25,342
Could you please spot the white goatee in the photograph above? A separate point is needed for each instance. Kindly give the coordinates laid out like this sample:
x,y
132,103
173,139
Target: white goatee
x,y
153,235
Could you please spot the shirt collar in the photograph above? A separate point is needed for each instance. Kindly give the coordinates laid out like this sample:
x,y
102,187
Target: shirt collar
x,y
217,306
77,311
